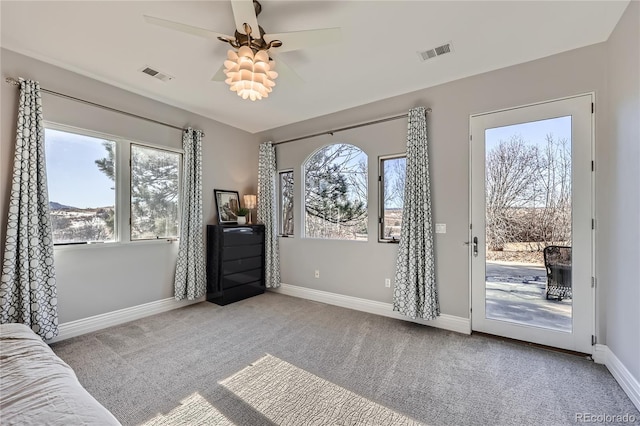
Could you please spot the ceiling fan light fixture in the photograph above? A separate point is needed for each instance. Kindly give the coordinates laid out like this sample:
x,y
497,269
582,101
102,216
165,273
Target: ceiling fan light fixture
x,y
262,56
250,74
245,51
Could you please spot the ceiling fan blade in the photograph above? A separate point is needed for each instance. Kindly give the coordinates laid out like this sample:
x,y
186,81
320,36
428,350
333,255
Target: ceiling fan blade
x,y
285,72
245,12
219,75
177,26
302,39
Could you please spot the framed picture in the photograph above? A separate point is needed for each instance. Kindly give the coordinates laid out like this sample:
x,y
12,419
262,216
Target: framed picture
x,y
227,204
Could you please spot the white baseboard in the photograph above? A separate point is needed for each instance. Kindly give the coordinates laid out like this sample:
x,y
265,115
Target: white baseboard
x,y
628,383
447,322
625,379
600,353
71,329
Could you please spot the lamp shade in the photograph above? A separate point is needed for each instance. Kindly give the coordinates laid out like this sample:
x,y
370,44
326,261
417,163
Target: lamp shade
x,y
250,201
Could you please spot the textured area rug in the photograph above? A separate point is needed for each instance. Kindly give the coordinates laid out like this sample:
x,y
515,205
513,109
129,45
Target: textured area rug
x,y
288,395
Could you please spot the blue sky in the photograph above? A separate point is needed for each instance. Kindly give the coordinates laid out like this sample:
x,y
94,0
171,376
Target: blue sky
x,y
73,177
533,132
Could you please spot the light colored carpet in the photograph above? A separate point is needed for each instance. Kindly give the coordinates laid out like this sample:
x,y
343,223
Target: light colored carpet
x,y
151,366
193,410
288,395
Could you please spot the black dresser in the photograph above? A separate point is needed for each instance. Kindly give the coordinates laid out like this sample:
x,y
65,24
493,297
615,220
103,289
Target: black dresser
x,y
235,262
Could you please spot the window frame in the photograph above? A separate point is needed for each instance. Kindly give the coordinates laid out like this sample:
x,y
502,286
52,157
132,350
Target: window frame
x,y
381,160
280,206
122,184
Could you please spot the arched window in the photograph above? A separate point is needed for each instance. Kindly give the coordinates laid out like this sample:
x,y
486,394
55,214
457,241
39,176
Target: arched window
x,y
335,194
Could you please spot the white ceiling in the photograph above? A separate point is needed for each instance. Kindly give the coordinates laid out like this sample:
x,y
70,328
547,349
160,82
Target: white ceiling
x,y
376,59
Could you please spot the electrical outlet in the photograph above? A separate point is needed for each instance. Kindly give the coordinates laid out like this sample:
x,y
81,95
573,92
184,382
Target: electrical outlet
x,y
387,282
317,273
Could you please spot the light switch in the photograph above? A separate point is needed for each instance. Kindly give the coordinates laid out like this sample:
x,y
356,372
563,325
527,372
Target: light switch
x,y
441,228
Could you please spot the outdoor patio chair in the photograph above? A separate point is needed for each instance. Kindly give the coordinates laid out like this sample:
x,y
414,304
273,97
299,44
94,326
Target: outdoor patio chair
x,y
557,261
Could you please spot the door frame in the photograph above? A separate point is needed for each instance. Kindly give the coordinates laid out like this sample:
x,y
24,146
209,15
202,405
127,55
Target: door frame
x,y
592,210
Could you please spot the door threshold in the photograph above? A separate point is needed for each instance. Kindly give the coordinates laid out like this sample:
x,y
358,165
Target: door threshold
x,y
535,345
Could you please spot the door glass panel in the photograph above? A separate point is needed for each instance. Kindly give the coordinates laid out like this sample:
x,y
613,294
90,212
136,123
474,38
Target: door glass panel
x,y
528,266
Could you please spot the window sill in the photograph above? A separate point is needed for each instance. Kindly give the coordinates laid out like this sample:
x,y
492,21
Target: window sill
x,y
335,239
102,245
389,241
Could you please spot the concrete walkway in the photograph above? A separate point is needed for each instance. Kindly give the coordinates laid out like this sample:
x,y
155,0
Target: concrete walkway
x,y
516,293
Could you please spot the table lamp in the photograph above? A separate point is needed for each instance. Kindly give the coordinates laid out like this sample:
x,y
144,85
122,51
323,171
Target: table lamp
x,y
250,203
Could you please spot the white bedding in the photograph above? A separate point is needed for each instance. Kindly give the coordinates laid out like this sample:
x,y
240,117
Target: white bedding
x,y
38,388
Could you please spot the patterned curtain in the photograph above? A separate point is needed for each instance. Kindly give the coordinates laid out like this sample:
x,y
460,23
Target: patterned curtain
x,y
415,294
28,292
190,281
267,212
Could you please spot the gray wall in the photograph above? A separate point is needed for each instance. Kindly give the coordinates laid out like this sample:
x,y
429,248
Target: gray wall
x,y
359,268
619,194
103,278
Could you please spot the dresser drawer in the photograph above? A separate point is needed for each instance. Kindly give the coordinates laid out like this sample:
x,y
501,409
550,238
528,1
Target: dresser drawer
x,y
242,236
241,252
241,278
239,265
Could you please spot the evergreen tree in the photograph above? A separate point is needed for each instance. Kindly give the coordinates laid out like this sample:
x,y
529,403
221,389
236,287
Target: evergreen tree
x,y
335,180
154,191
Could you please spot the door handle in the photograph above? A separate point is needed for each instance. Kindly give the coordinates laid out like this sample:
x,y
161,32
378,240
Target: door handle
x,y
474,244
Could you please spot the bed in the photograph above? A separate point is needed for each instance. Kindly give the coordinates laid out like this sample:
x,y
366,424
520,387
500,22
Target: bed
x,y
38,388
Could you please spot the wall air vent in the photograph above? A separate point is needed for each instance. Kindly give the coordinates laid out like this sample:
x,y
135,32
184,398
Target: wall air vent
x,y
436,51
156,74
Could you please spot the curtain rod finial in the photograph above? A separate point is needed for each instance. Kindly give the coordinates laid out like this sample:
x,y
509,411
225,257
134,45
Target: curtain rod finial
x,y
12,81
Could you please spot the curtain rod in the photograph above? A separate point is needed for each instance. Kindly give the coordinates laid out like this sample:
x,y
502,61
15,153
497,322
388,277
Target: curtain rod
x,y
355,126
15,82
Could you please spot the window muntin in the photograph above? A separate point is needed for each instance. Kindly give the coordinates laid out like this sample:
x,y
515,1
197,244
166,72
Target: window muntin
x,y
392,181
155,187
81,186
285,202
335,194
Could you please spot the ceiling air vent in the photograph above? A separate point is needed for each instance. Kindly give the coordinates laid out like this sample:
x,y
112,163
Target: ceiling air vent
x,y
156,74
436,51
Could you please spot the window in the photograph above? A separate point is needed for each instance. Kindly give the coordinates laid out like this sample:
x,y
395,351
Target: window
x,y
90,201
154,193
391,179
335,194
82,197
285,203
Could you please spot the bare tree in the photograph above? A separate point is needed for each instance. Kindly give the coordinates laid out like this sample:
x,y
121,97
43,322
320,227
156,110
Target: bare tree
x,y
510,176
553,193
394,184
286,200
395,177
528,193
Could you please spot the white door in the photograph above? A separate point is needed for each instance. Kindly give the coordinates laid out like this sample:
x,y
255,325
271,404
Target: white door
x,y
531,188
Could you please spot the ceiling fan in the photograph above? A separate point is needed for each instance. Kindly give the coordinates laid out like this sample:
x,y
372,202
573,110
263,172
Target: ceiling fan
x,y
249,68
